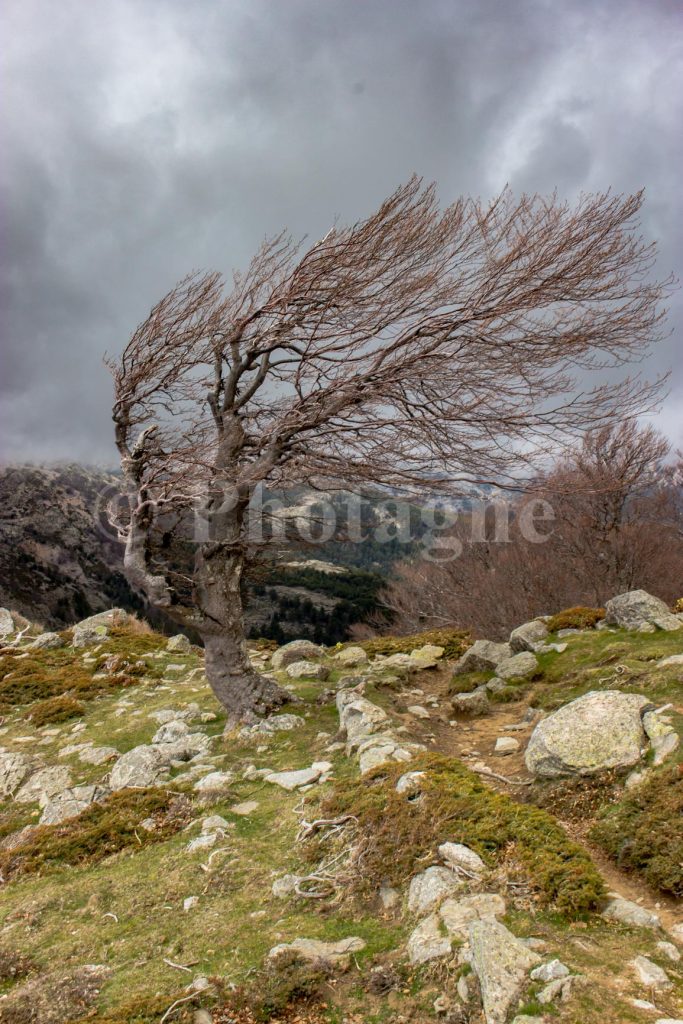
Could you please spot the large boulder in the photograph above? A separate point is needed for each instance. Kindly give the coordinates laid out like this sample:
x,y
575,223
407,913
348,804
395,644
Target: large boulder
x,y
71,802
351,657
88,636
359,718
501,962
328,953
47,642
636,609
307,670
108,618
43,784
601,730
528,636
482,656
474,703
179,644
296,650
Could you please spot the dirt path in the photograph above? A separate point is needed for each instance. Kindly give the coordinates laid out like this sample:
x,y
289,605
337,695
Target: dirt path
x,y
473,741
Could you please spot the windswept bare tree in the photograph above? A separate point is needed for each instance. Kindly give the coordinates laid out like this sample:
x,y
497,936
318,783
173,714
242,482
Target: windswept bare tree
x,y
416,344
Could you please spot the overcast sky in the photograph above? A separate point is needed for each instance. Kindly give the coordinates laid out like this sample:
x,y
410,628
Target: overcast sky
x,y
142,139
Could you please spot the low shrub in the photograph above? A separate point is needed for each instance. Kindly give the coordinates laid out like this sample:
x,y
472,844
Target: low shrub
x,y
575,618
143,1009
643,832
14,965
678,605
467,682
454,642
397,835
54,709
101,830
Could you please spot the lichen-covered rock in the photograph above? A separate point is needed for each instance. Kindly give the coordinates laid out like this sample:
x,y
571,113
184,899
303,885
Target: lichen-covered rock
x,y
482,656
307,670
626,912
141,766
6,622
528,636
410,783
88,636
501,962
519,666
662,735
359,718
331,953
214,782
174,730
427,941
303,777
71,802
14,768
427,656
474,703
430,888
458,914
296,650
43,784
351,657
269,726
458,856
47,642
97,755
601,730
179,644
650,974
637,608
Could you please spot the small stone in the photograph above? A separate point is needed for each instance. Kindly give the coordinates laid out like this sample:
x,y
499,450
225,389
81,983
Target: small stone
x,y
203,842
551,971
626,912
458,856
307,670
418,711
668,950
200,984
190,902
215,822
213,782
47,642
202,1017
389,896
430,888
313,949
179,644
650,974
427,942
295,779
506,745
351,657
244,809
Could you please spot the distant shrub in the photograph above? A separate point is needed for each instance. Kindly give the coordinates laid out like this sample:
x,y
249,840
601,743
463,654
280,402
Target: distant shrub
x,y
55,709
678,605
644,831
454,642
397,836
575,618
14,965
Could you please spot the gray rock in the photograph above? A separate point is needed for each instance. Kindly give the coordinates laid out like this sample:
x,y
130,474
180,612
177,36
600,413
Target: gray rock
x,y
526,637
98,755
637,608
179,644
110,617
474,703
662,736
6,622
246,808
671,662
140,767
458,856
297,650
71,802
351,657
418,711
427,941
601,730
650,974
214,782
551,971
359,718
410,782
206,841
296,779
431,887
14,768
307,670
331,953
88,636
389,896
427,656
458,914
215,822
670,951
171,732
482,656
47,642
269,726
44,784
501,963
519,666
626,912
506,745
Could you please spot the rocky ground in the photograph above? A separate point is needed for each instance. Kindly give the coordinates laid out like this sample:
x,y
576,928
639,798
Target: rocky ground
x,y
434,832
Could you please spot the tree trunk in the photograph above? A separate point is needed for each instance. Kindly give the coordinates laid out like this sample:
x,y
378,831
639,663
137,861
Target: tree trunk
x,y
242,691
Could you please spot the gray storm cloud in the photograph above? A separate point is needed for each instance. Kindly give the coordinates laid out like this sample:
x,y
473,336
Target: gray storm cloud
x,y
141,140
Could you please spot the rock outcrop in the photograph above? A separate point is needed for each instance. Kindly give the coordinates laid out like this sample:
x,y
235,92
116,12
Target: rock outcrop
x,y
636,609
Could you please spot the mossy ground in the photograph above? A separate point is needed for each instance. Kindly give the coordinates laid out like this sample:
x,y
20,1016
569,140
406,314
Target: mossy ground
x,y
126,911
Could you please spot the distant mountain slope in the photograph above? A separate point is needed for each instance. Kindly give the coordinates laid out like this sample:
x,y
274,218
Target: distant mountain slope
x,y
56,565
